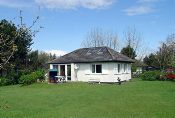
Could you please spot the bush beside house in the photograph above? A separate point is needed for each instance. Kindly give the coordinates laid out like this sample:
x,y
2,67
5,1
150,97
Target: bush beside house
x,y
23,77
32,77
151,75
157,75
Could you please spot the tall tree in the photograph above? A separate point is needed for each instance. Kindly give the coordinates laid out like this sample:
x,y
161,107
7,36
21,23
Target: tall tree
x,y
32,60
134,42
166,52
24,42
151,60
15,42
165,56
129,51
37,60
43,59
97,38
8,35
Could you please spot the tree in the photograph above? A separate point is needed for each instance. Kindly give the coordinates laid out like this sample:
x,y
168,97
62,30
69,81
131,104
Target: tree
x,y
98,38
32,60
129,51
165,56
151,60
8,34
24,42
37,60
166,52
15,42
43,59
171,44
134,42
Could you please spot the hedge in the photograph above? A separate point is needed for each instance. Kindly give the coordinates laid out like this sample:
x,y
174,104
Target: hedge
x,y
31,78
151,75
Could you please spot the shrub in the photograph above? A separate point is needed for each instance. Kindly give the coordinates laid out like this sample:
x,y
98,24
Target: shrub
x,y
39,75
26,79
24,72
151,75
31,78
3,81
12,77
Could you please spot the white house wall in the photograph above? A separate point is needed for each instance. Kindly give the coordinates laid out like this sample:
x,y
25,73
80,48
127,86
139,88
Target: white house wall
x,y
83,72
108,74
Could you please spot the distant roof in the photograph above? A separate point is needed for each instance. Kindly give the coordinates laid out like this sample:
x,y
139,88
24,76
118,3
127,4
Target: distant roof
x,y
94,54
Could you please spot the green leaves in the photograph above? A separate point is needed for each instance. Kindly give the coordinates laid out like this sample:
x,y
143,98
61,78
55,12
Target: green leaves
x,y
129,51
31,78
150,75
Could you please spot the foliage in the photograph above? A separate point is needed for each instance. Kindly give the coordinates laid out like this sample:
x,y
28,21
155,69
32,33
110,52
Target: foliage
x,y
165,56
23,42
135,99
33,60
129,51
151,60
133,68
4,81
39,74
24,72
9,79
151,75
37,60
11,35
8,34
31,78
166,53
12,76
26,79
133,43
18,35
15,43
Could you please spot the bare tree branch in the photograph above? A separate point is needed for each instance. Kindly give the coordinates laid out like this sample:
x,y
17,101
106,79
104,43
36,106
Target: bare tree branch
x,y
97,38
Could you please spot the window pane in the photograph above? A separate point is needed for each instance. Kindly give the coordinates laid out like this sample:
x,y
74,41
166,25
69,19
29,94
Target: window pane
x,y
68,70
124,67
93,68
98,69
55,67
118,68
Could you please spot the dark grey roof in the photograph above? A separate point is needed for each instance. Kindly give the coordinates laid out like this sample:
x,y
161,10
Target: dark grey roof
x,y
95,54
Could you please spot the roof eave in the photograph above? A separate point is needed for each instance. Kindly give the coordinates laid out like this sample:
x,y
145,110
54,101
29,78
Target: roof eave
x,y
92,61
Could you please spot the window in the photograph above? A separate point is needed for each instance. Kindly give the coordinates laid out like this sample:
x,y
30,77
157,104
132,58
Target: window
x,y
125,67
118,68
55,67
96,68
93,68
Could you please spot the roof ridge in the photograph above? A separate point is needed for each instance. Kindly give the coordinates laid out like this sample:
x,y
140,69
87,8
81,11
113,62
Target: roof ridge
x,y
110,53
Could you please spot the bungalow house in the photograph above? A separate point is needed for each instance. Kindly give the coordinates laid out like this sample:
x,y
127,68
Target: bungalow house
x,y
96,63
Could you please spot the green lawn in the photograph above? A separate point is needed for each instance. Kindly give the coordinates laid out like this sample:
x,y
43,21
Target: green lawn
x,y
142,99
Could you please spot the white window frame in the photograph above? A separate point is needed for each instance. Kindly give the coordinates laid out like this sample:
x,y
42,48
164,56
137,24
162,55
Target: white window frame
x,y
125,68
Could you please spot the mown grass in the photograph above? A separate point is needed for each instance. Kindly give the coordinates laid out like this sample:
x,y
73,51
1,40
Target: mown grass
x,y
134,99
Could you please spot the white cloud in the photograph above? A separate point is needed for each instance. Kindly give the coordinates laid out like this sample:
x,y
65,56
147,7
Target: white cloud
x,y
142,7
57,52
14,3
73,4
138,10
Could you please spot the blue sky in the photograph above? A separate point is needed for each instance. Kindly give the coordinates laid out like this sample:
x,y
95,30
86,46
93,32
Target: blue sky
x,y
66,22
